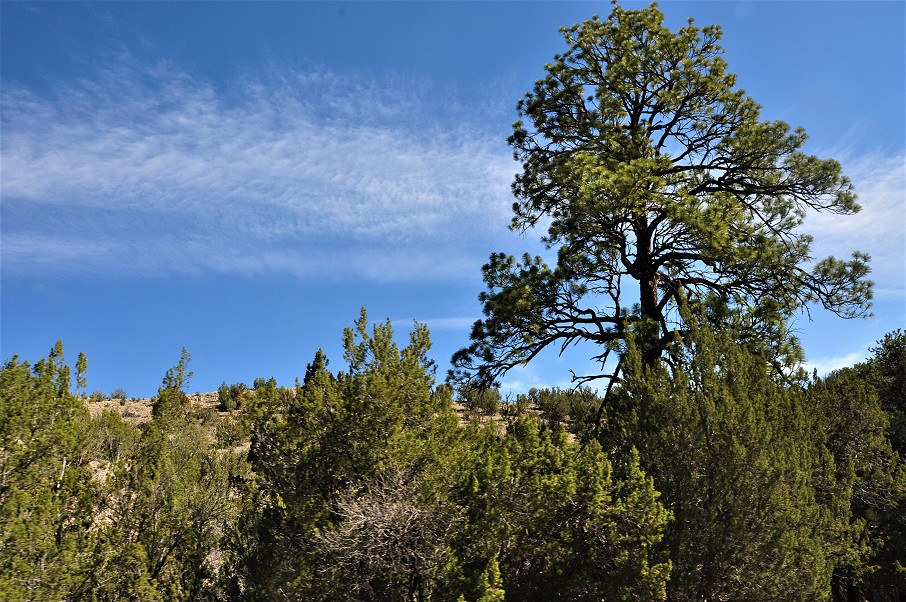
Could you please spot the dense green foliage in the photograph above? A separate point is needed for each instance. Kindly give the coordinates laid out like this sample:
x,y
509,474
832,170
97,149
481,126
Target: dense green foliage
x,y
46,499
710,479
367,487
97,509
863,409
759,512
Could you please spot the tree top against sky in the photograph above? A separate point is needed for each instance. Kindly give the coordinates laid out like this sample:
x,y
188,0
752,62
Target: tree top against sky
x,y
200,174
661,188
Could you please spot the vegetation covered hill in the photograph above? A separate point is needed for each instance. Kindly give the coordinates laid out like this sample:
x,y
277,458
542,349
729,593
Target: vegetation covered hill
x,y
708,481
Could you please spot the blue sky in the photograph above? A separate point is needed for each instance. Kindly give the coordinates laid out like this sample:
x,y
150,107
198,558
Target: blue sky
x,y
240,178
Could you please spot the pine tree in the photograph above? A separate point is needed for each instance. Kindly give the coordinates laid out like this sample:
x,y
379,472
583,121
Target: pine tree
x,y
47,498
759,510
660,186
860,411
557,519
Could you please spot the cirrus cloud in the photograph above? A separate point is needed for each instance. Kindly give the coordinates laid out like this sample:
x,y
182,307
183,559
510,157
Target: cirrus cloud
x,y
311,174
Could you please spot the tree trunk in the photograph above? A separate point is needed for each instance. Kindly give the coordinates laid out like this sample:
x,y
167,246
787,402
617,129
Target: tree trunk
x,y
649,279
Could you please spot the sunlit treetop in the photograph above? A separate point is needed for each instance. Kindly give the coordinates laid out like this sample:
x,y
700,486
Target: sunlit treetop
x,y
659,186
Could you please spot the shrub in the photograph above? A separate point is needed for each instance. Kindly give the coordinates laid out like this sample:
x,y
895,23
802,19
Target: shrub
x,y
230,396
553,403
206,416
171,406
110,437
230,433
522,404
478,399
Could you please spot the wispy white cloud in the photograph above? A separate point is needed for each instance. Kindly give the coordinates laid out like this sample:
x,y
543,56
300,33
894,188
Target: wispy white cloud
x,y
145,169
312,174
66,249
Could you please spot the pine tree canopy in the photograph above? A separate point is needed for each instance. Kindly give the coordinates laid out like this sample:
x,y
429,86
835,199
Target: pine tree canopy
x,y
659,186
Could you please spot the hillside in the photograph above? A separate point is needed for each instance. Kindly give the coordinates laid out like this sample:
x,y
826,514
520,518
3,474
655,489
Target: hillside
x,y
138,410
